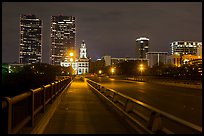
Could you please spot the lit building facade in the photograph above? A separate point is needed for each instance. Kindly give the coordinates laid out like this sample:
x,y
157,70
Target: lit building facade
x,y
63,37
184,51
156,58
115,61
189,57
185,47
30,39
199,50
176,60
81,64
107,60
198,64
142,45
83,61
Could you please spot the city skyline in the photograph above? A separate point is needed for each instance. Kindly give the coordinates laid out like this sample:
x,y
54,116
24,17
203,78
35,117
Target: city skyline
x,y
108,28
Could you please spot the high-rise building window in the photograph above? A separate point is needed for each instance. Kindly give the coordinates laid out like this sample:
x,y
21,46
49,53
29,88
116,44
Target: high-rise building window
x,y
142,44
30,39
63,36
184,48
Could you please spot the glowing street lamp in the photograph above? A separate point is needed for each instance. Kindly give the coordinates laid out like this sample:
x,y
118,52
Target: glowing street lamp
x,y
71,54
112,70
71,59
141,68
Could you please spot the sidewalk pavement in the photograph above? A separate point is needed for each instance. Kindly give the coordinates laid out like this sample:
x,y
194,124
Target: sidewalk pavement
x,y
82,112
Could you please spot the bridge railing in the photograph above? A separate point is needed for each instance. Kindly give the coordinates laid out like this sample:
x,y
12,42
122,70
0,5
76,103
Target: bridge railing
x,y
143,117
21,110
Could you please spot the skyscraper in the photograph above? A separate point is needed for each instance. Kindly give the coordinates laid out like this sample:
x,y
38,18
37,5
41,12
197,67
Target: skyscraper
x,y
142,44
30,39
63,37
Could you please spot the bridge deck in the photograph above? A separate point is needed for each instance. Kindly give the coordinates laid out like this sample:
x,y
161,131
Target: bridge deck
x,y
82,112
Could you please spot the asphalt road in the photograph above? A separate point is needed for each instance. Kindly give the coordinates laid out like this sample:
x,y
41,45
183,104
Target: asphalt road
x,y
185,103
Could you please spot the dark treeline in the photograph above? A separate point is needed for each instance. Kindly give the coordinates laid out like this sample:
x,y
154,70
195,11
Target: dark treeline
x,y
30,77
132,68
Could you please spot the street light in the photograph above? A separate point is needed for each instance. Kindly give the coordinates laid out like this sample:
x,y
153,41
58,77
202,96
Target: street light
x,y
141,68
112,70
71,58
71,54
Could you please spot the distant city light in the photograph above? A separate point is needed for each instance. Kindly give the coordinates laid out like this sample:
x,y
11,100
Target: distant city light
x,y
112,70
71,59
71,54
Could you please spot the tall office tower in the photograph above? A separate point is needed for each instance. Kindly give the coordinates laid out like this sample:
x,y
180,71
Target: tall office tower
x,y
184,47
63,36
142,44
30,39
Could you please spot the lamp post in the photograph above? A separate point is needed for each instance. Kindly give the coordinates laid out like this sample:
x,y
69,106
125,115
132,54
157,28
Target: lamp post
x,y
112,70
71,55
141,68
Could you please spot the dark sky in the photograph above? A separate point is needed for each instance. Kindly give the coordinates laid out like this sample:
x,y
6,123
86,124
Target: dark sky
x,y
108,28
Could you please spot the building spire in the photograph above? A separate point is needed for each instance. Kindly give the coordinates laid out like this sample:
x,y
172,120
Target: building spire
x,y
83,53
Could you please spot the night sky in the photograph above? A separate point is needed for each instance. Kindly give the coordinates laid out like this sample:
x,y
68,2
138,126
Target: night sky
x,y
108,28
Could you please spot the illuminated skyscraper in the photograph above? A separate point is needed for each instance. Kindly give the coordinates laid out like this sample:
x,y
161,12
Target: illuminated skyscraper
x,y
142,44
30,39
63,37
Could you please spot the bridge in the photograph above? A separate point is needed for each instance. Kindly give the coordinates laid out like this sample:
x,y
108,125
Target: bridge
x,y
83,106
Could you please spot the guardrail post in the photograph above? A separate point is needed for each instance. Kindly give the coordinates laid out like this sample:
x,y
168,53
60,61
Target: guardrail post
x,y
115,97
51,91
155,122
99,88
107,93
59,83
43,109
8,124
128,105
31,123
102,89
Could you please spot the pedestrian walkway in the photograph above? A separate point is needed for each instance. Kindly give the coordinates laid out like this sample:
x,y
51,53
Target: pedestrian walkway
x,y
82,112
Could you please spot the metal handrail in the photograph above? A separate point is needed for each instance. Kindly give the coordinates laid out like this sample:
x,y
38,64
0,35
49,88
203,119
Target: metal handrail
x,y
155,113
20,110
